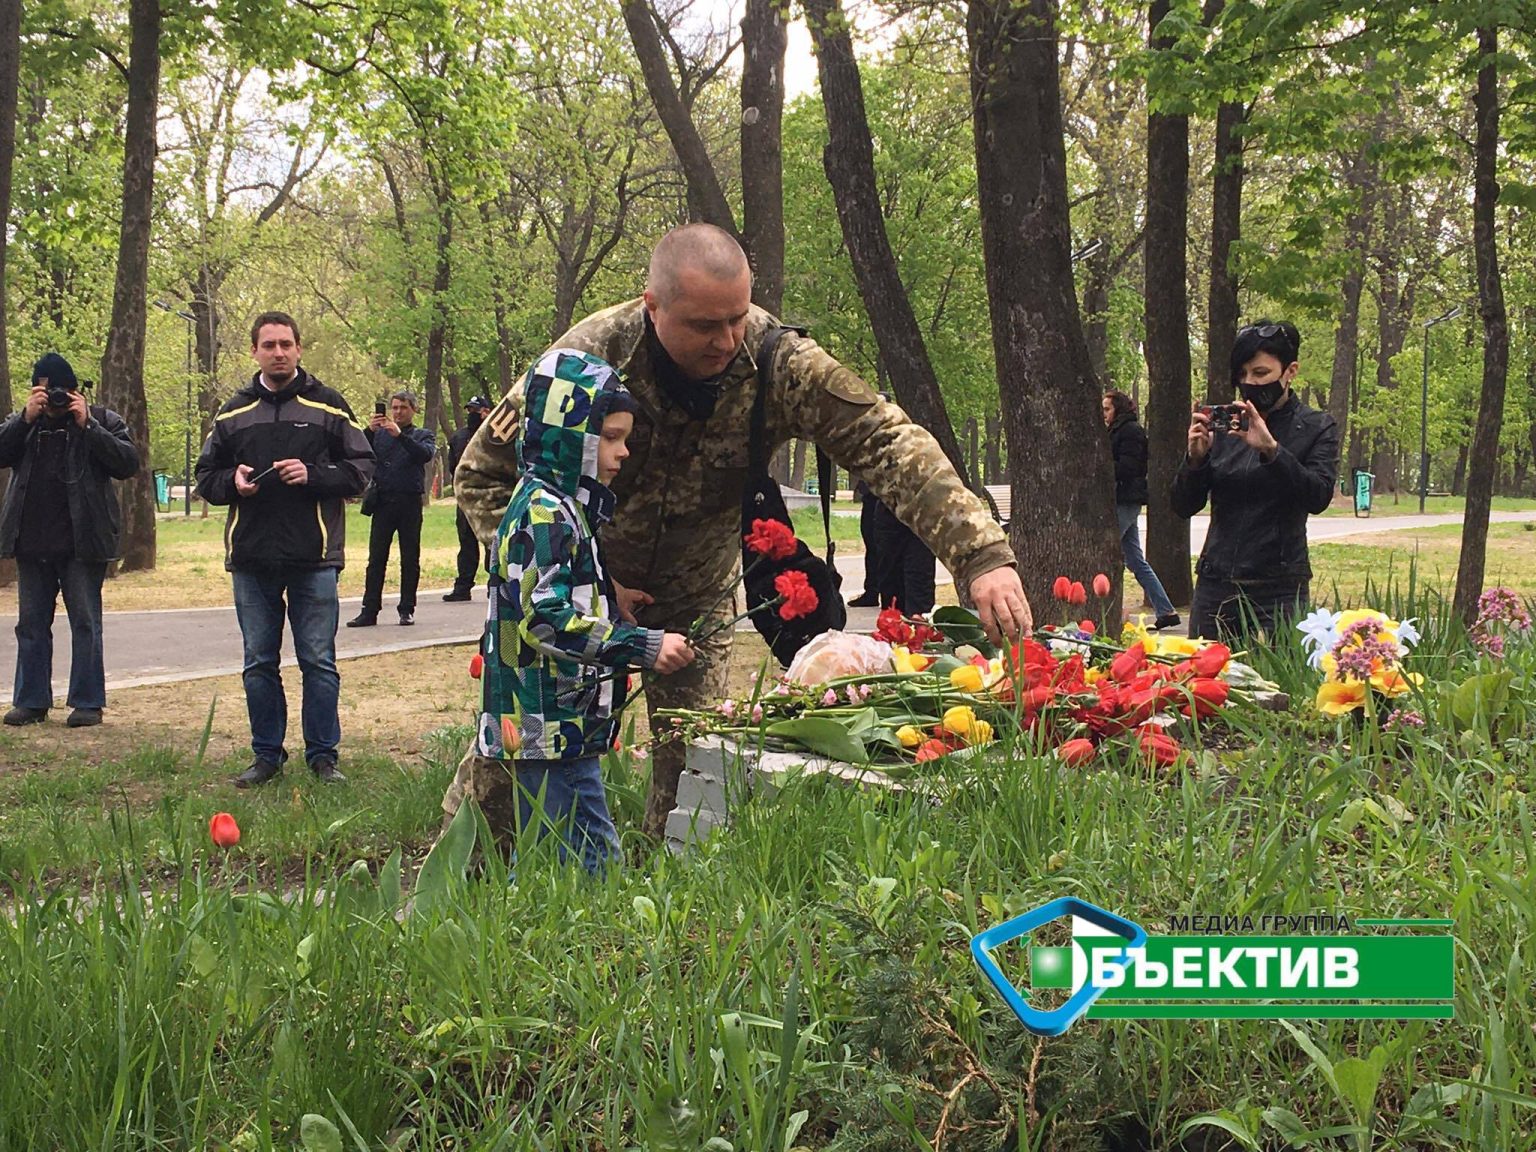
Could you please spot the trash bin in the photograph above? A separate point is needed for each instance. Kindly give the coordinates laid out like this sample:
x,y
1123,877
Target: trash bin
x,y
162,489
1363,482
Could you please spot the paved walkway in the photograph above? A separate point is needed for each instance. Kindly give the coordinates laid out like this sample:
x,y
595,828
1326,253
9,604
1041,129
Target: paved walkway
x,y
169,645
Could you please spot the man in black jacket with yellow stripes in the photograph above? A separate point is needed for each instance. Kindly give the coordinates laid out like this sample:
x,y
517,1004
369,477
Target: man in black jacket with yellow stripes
x,y
284,454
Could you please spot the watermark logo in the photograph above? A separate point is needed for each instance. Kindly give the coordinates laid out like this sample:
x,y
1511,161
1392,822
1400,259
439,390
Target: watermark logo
x,y
1113,969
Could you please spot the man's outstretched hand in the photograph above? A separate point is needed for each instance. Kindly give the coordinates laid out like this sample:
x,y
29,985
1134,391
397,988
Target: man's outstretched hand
x,y
1002,606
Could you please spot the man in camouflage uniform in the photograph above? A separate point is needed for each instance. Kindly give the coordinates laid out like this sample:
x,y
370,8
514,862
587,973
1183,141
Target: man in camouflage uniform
x,y
685,350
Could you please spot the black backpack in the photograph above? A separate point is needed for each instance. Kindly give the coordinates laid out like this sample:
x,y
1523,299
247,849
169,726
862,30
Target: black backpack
x,y
762,500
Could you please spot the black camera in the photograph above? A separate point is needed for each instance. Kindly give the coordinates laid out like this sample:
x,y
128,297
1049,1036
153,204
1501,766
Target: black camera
x,y
58,396
1226,417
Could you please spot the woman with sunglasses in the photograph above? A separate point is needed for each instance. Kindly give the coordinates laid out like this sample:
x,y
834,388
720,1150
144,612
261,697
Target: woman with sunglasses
x,y
1264,464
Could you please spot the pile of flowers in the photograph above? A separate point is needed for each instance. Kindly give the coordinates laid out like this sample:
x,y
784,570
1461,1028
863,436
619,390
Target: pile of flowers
x,y
919,690
1360,652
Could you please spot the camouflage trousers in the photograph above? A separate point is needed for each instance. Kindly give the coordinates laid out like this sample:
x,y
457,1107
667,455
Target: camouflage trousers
x,y
703,684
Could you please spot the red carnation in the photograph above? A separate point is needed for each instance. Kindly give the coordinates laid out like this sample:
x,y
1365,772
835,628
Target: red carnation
x,y
1075,753
223,830
1101,585
1078,594
799,597
772,538
1209,661
1061,588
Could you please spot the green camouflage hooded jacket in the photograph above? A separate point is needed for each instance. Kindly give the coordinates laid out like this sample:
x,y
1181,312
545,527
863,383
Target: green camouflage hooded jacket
x,y
553,634
677,531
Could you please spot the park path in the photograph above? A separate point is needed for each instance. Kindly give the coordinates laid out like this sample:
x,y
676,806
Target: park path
x,y
171,645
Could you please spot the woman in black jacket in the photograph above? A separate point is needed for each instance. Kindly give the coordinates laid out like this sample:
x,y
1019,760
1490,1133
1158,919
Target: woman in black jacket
x,y
1128,442
1264,467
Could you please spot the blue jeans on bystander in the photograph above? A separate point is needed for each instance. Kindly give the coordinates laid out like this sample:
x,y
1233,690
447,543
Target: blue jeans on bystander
x,y
566,797
1136,560
39,580
313,609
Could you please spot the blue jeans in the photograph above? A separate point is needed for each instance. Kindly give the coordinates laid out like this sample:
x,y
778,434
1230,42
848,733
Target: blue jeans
x,y
313,609
567,798
1136,560
39,580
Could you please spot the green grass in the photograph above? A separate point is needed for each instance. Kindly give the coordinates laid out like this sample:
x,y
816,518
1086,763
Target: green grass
x,y
813,962
1407,504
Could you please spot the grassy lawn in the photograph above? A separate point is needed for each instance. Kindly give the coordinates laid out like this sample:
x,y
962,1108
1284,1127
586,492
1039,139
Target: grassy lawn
x,y
1352,571
1407,504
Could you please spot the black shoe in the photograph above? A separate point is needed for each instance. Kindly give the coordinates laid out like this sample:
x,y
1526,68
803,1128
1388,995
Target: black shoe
x,y
325,771
868,600
407,619
1169,621
84,718
459,595
257,774
363,620
18,716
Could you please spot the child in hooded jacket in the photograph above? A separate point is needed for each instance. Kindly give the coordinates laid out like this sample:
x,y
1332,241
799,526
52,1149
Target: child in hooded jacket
x,y
555,645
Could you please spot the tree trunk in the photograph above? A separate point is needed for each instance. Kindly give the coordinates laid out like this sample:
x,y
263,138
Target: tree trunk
x,y
763,40
1346,336
1167,342
122,366
10,73
442,278
849,161
1226,230
1459,477
1530,372
706,201
1490,300
1048,391
504,334
205,341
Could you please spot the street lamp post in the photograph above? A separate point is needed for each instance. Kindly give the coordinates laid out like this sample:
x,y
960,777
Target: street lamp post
x,y
186,475
1424,409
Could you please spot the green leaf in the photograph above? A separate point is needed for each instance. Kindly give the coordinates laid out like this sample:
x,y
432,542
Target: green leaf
x,y
1228,1122
318,1134
671,1123
962,626
822,735
1481,698
443,869
1358,1080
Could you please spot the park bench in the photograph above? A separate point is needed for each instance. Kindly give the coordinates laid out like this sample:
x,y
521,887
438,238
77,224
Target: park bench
x,y
999,499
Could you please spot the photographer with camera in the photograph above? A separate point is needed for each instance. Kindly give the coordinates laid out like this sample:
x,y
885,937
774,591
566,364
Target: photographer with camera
x,y
1265,464
60,521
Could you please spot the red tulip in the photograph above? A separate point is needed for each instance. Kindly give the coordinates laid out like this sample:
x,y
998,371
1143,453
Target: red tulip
x,y
1124,667
1075,753
476,666
1079,594
1209,661
1088,626
1101,585
223,830
1158,747
932,750
1061,588
1209,695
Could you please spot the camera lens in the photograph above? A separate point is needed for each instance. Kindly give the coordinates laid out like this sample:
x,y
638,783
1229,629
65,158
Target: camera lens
x,y
58,397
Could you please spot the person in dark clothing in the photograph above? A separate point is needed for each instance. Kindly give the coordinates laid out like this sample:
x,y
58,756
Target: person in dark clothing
x,y
1129,444
905,566
285,453
60,522
401,454
1262,483
469,548
870,597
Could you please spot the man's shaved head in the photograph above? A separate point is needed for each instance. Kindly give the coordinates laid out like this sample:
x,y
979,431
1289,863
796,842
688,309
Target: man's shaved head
x,y
700,248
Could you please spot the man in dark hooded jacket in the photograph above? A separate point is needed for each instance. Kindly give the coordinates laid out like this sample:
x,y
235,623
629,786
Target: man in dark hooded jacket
x,y
60,521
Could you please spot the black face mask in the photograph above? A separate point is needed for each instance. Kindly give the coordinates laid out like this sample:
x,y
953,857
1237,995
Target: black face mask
x,y
1262,396
474,420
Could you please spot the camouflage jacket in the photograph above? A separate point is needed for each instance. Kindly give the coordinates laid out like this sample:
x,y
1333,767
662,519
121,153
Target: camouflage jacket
x,y
676,533
552,633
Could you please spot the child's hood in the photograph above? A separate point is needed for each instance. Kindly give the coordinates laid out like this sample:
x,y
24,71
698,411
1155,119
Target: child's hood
x,y
566,397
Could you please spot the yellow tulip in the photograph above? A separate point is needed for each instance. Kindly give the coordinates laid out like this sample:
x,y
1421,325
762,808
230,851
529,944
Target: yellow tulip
x,y
909,662
959,720
1177,646
1336,697
909,736
967,678
1093,675
1394,681
980,733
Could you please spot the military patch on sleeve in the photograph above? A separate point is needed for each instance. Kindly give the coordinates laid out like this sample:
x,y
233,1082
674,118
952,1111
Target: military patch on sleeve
x,y
502,423
849,386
